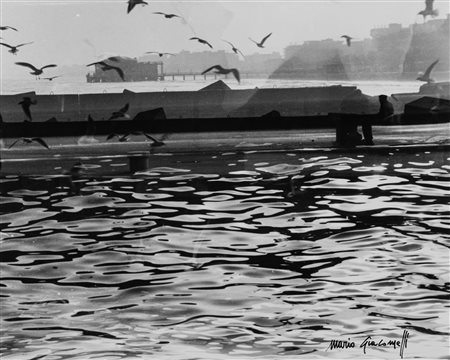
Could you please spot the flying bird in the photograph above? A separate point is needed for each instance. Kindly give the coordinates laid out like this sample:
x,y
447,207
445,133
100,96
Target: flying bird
x,y
160,54
124,138
201,41
35,71
52,77
235,49
7,27
29,141
133,3
14,49
426,75
261,43
105,67
348,39
220,70
122,113
167,16
428,10
26,103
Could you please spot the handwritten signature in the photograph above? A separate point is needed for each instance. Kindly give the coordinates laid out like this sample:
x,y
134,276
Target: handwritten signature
x,y
369,342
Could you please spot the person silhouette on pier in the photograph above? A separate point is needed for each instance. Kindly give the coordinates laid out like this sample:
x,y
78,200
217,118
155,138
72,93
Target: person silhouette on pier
x,y
386,111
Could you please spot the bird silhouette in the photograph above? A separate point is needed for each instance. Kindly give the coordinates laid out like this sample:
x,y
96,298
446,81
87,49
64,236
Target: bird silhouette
x,y
7,27
235,49
428,11
426,75
220,70
133,3
261,43
26,140
124,138
26,103
105,67
122,113
348,39
14,49
201,41
160,54
167,16
36,71
51,78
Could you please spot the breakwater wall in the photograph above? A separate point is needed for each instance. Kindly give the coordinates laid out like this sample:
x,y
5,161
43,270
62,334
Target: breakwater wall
x,y
314,101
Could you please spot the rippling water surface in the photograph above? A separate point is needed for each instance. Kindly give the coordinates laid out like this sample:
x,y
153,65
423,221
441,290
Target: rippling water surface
x,y
260,260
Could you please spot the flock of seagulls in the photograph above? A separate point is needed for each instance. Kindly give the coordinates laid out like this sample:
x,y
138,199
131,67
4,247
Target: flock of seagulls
x,y
27,102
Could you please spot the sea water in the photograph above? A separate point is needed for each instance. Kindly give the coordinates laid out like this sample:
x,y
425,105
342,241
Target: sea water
x,y
264,256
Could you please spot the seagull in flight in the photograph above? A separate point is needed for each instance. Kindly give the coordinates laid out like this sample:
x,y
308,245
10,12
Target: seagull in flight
x,y
52,77
25,140
261,43
14,49
426,75
7,27
160,54
124,138
167,16
105,67
235,49
133,3
428,10
122,113
26,103
35,71
201,41
220,70
348,39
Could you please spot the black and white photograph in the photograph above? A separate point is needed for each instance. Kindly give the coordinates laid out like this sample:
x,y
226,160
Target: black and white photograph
x,y
224,179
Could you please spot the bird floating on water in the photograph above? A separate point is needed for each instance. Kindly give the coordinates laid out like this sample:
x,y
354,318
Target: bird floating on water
x,y
14,49
426,75
26,103
105,67
235,49
26,140
122,113
220,70
36,71
160,54
7,27
428,11
133,3
167,16
261,43
201,41
348,39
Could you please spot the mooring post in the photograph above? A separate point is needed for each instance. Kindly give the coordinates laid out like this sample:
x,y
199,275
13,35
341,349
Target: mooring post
x,y
139,163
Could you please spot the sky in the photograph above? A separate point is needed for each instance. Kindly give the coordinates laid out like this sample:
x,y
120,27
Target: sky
x,y
67,32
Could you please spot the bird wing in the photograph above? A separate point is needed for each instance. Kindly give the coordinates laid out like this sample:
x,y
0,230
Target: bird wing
x,y
40,141
7,27
119,71
264,39
11,47
27,65
253,41
159,13
24,44
94,63
47,66
110,136
229,43
236,74
130,7
194,38
207,43
148,136
125,108
14,143
428,70
218,67
26,110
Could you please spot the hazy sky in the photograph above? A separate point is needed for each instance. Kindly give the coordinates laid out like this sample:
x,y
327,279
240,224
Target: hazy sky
x,y
78,31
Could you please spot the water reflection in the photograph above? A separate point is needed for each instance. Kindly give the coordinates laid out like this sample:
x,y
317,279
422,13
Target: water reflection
x,y
271,260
